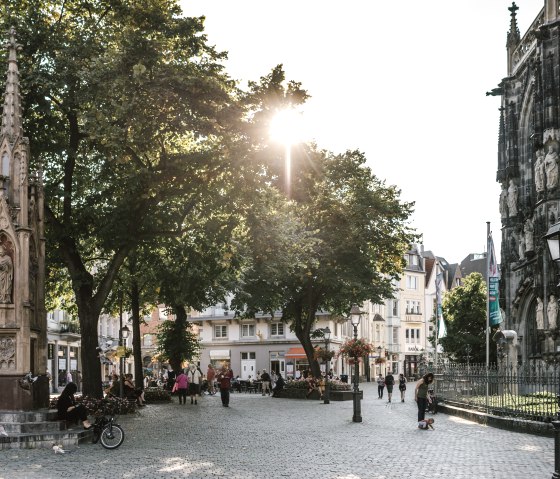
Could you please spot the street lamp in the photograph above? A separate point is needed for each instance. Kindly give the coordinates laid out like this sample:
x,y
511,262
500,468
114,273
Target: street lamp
x,y
327,336
552,237
355,316
123,334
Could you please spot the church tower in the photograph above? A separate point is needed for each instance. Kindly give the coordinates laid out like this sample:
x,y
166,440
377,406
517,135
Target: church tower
x,y
23,326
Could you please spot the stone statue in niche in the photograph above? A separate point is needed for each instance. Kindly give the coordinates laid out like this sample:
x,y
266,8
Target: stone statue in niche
x,y
512,198
521,246
552,312
551,168
6,276
503,203
7,353
540,314
539,171
528,231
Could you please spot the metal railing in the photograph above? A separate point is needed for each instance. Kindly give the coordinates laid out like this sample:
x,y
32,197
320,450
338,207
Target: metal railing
x,y
528,391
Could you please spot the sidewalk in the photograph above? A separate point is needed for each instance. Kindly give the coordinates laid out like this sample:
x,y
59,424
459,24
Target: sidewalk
x,y
264,437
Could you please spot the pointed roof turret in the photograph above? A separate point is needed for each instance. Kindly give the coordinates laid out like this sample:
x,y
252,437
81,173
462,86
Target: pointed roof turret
x,y
12,112
513,36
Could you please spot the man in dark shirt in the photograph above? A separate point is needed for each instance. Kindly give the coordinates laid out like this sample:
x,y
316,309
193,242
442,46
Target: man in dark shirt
x,y
224,380
279,385
389,382
265,380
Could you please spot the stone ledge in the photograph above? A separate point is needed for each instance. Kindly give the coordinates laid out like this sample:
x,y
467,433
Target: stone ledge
x,y
508,423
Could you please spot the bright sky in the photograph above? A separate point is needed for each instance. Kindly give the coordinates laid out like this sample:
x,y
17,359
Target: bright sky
x,y
403,81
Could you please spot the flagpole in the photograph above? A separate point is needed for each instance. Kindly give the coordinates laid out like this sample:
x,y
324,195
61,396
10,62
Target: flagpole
x,y
437,317
487,310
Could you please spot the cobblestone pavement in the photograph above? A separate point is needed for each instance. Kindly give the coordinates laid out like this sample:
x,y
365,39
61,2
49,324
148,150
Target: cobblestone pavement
x,y
264,437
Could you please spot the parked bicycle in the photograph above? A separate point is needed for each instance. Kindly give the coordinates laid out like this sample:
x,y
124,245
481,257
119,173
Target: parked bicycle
x,y
106,430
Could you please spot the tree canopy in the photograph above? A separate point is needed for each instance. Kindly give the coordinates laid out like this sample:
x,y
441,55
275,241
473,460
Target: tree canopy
x,y
464,312
341,241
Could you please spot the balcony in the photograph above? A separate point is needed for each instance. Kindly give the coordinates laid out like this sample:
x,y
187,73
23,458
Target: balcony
x,y
70,327
413,318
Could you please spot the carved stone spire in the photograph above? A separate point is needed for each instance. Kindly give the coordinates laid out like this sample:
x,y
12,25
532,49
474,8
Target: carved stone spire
x,y
513,36
12,112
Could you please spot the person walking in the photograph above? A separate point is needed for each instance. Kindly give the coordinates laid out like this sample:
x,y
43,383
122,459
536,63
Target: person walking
x,y
265,380
224,380
182,382
389,382
402,386
211,378
195,377
380,386
421,394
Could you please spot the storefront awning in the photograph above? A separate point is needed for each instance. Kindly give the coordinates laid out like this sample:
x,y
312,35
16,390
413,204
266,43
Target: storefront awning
x,y
296,353
219,354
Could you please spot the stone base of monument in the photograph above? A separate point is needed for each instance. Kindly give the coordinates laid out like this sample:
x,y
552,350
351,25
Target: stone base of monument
x,y
20,395
38,429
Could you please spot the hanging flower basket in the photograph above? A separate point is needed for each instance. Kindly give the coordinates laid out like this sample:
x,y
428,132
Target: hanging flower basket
x,y
355,348
323,354
380,360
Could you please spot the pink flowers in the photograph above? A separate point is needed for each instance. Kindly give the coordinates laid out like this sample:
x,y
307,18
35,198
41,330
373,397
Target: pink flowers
x,y
355,348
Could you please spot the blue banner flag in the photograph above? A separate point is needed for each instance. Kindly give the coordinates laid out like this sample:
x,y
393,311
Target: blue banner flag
x,y
495,315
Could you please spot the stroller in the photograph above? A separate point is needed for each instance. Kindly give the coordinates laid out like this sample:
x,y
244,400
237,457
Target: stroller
x,y
432,401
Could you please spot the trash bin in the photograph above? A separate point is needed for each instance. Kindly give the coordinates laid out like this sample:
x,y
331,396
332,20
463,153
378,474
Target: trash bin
x,y
344,378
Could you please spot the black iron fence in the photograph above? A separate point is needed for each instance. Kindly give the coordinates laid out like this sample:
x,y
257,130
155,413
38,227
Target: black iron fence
x,y
528,391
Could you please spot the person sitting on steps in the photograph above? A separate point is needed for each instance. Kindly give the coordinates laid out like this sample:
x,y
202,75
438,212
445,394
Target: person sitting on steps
x,y
68,409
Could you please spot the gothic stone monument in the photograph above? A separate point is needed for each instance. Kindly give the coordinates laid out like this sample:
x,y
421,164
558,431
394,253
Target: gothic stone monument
x,y
23,326
528,167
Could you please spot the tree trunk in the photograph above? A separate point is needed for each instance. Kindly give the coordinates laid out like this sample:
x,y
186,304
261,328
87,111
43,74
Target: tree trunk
x,y
91,366
136,339
176,362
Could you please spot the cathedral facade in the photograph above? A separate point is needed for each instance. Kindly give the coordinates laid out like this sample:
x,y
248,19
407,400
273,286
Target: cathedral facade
x,y
528,163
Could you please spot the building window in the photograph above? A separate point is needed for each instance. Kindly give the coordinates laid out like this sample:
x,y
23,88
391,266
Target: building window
x,y
395,307
247,330
220,332
277,329
411,260
147,339
248,355
411,282
395,335
413,336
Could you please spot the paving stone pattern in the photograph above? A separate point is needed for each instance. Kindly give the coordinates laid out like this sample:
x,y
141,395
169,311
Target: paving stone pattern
x,y
264,437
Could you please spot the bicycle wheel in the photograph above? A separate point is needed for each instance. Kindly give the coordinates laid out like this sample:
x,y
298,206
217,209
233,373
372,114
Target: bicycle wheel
x,y
112,436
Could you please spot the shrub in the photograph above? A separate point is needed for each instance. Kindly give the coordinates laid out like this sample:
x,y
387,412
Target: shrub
x,y
334,384
111,404
156,395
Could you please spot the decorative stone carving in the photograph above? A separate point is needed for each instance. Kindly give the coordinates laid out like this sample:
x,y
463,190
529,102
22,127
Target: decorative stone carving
x,y
7,352
551,167
539,172
528,231
521,246
540,314
6,276
503,203
552,312
512,199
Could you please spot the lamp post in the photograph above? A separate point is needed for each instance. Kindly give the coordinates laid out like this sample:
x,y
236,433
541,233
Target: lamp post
x,y
553,239
327,336
355,316
123,334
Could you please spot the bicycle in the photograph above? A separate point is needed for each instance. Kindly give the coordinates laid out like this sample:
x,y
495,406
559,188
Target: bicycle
x,y
107,431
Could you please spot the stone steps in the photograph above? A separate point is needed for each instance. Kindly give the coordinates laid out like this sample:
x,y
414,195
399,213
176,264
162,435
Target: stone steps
x,y
39,429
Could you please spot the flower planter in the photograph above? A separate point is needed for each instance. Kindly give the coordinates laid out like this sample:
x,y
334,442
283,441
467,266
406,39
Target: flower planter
x,y
297,393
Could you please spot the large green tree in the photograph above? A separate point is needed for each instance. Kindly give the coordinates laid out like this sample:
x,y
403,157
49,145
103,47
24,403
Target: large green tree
x,y
340,240
127,106
464,312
